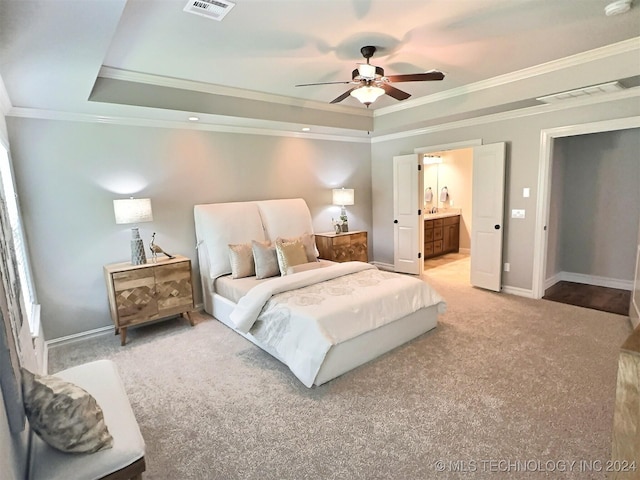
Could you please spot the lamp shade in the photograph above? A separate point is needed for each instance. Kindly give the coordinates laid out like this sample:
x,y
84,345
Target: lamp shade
x,y
133,210
367,94
343,196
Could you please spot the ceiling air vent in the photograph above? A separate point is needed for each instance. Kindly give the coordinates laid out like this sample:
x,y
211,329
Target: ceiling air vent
x,y
582,92
214,9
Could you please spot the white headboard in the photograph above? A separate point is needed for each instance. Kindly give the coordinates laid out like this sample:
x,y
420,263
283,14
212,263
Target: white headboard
x,y
219,224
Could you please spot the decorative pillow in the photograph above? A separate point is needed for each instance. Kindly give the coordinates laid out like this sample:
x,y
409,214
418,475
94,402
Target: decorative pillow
x,y
308,240
265,258
290,254
64,415
303,267
241,259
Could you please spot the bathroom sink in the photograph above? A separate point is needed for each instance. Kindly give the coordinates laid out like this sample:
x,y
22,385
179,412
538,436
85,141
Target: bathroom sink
x,y
441,214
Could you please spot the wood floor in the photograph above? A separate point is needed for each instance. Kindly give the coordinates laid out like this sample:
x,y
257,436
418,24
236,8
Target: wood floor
x,y
606,299
590,296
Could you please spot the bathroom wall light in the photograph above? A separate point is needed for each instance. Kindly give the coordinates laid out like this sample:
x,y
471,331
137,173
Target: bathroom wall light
x,y
431,159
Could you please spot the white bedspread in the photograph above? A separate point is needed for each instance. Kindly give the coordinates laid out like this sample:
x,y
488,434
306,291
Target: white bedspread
x,y
301,316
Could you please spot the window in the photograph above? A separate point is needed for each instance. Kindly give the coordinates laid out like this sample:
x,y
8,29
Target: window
x,y
28,300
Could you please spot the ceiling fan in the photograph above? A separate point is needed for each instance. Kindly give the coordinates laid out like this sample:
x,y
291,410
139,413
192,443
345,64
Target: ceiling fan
x,y
370,81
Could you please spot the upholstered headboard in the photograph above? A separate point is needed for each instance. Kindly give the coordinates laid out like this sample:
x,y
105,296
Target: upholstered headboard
x,y
219,224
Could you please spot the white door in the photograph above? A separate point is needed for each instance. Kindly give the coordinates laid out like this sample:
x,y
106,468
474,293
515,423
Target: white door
x,y
487,216
407,216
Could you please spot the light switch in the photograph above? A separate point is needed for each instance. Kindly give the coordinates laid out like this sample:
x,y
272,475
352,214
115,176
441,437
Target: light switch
x,y
517,213
526,192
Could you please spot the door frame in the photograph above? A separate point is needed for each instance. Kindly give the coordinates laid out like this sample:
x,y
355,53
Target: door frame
x,y
475,142
547,137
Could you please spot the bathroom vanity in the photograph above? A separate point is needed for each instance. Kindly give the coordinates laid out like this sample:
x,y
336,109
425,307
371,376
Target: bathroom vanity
x,y
441,233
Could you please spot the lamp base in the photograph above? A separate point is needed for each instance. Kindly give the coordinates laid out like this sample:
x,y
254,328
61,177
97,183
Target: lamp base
x,y
345,222
138,256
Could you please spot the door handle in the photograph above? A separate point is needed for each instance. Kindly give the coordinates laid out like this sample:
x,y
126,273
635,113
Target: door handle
x,y
395,221
497,227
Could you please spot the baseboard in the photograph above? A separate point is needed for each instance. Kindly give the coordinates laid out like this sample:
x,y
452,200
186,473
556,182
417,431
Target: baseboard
x,y
589,280
520,292
78,336
90,333
466,251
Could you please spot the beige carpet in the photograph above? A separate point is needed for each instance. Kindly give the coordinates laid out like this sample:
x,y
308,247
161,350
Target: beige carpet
x,y
503,384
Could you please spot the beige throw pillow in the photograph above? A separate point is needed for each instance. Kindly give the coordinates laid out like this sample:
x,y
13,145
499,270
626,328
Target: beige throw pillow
x,y
64,415
241,259
266,259
289,254
309,242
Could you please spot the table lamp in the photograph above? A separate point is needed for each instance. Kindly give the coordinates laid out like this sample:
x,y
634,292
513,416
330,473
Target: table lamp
x,y
134,210
342,197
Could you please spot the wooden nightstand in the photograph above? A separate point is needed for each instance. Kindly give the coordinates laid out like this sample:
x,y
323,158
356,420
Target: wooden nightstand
x,y
343,247
143,293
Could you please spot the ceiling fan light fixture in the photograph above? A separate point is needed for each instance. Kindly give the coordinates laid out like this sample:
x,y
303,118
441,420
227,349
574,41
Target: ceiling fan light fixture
x,y
366,70
617,7
367,94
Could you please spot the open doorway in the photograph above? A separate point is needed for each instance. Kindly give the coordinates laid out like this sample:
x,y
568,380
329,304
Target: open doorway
x,y
593,220
448,201
547,267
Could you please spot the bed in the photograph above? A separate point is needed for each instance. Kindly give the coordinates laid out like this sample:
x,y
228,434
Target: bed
x,y
320,318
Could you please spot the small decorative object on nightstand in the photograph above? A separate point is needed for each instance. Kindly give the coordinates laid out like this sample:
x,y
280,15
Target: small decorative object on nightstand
x,y
156,249
343,247
143,293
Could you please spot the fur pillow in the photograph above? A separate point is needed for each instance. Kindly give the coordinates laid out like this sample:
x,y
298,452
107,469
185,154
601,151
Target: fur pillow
x,y
64,415
266,259
241,259
290,254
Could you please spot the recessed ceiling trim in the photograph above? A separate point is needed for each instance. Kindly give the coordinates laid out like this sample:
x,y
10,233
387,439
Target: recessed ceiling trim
x,y
137,77
510,115
625,46
21,112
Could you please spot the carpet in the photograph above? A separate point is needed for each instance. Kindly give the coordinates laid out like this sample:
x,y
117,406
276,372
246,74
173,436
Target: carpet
x,y
505,387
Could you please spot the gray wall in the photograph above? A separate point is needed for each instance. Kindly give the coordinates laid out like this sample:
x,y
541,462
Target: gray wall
x,y
599,203
68,178
523,149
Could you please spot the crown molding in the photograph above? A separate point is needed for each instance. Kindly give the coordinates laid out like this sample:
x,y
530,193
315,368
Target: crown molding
x,y
625,46
137,77
523,112
20,112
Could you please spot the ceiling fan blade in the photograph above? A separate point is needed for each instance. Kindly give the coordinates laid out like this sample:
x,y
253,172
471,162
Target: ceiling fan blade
x,y
416,77
394,92
343,96
322,83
